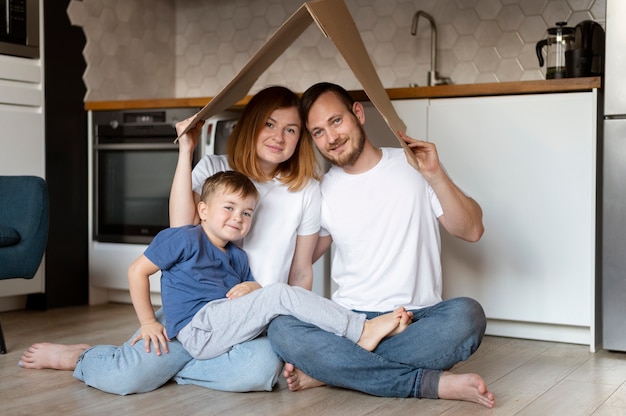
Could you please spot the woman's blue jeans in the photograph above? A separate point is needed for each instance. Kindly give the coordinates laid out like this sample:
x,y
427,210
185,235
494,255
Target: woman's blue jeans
x,y
440,336
251,366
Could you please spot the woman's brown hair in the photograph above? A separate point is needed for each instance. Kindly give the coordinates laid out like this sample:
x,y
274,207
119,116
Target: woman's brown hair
x,y
296,171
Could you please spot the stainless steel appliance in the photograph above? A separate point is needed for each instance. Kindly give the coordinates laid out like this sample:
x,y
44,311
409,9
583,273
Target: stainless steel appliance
x,y
219,127
19,28
134,163
614,183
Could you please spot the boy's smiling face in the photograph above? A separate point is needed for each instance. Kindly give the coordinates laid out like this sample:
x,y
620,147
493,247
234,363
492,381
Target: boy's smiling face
x,y
226,217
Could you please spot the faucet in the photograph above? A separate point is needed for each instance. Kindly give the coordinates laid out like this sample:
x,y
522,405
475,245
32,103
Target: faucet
x,y
433,77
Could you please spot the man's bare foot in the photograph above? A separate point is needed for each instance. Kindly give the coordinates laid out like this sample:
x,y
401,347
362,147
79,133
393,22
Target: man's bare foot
x,y
468,387
298,380
374,330
54,356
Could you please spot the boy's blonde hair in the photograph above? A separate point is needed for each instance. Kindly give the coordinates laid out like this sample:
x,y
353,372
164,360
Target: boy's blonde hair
x,y
229,182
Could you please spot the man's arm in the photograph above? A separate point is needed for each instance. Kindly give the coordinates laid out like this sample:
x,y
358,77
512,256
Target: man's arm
x,y
462,216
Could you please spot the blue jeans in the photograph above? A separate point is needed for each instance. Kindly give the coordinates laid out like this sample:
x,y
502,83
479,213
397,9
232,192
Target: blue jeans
x,y
406,365
251,366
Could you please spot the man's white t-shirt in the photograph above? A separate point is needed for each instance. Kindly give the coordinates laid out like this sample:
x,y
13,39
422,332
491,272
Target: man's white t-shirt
x,y
386,235
279,217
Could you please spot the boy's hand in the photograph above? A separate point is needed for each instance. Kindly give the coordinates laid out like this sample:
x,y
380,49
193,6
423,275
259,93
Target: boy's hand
x,y
152,332
242,289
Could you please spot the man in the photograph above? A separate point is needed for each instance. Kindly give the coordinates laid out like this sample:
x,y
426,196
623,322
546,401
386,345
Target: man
x,y
383,214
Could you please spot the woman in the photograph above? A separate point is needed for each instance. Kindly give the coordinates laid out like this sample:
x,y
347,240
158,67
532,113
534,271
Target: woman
x,y
261,147
266,145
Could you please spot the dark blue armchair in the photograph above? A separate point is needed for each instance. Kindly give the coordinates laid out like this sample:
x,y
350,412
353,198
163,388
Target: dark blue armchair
x,y
24,218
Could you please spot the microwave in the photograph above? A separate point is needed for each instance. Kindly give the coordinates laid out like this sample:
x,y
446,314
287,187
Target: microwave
x,y
218,130
19,28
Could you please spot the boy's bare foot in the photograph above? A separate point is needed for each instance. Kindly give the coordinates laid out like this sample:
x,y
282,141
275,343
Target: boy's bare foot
x,y
468,387
55,356
374,330
298,380
406,319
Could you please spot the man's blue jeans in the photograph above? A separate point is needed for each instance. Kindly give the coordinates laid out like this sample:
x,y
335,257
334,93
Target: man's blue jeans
x,y
406,365
251,366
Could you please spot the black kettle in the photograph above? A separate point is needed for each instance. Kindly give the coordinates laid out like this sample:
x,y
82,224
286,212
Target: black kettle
x,y
586,57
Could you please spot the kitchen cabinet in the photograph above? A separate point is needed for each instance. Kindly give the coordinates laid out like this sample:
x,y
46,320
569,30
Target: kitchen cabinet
x,y
530,161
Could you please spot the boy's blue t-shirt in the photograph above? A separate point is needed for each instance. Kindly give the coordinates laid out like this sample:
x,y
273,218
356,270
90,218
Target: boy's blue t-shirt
x,y
193,272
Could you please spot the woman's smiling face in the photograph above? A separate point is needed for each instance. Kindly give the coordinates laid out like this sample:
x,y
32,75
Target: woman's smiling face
x,y
277,140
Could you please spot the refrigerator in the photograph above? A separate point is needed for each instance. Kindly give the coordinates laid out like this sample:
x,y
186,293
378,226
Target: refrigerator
x,y
614,181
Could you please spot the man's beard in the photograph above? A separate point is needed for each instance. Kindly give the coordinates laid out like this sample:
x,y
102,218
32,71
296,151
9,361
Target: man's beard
x,y
349,158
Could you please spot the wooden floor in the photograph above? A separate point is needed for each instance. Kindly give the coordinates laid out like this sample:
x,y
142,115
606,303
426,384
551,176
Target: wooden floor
x,y
527,378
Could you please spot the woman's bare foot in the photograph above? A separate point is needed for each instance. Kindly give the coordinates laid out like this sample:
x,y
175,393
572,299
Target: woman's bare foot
x,y
54,356
298,380
374,330
468,387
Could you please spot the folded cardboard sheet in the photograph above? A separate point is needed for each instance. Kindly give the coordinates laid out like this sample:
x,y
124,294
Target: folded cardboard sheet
x,y
334,20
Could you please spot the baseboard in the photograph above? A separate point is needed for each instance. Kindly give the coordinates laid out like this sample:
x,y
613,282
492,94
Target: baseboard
x,y
540,332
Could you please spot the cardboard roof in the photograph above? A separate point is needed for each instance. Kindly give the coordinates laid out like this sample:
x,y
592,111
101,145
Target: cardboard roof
x,y
334,20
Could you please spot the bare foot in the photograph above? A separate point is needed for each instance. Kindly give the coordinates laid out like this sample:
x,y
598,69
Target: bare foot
x,y
468,387
297,380
55,356
374,330
406,319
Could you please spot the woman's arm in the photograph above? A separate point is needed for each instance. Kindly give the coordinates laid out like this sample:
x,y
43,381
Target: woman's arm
x,y
183,200
323,244
301,272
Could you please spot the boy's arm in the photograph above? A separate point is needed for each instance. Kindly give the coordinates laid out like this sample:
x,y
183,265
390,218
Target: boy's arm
x,y
151,330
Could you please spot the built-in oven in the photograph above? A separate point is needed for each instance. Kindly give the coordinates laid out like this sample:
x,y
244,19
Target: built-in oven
x,y
134,162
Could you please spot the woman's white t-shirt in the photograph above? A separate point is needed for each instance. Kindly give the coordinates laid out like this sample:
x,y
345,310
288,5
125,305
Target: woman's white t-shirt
x,y
386,235
279,217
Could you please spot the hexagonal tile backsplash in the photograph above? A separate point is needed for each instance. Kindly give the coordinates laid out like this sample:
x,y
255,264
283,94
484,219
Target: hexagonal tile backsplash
x,y
140,49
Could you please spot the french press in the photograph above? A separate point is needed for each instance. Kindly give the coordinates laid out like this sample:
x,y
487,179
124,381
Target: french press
x,y
560,39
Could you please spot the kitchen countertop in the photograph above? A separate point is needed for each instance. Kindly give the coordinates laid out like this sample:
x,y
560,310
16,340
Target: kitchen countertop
x,y
440,91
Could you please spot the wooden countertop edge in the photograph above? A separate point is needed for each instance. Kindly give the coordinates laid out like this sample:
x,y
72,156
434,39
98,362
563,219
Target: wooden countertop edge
x,y
440,91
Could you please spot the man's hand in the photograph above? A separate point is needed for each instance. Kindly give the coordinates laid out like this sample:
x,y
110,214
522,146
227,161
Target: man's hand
x,y
424,156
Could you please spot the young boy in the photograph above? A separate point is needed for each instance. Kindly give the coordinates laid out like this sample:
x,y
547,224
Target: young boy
x,y
210,299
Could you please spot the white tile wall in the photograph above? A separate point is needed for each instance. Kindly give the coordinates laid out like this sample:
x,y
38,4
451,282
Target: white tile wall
x,y
192,48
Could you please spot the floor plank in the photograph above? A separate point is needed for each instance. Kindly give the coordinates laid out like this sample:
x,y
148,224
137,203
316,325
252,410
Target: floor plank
x,y
527,378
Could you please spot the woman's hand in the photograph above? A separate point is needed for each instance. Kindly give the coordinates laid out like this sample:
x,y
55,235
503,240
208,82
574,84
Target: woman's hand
x,y
188,141
242,289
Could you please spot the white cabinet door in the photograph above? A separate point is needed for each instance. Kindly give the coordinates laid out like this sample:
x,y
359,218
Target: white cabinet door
x,y
530,162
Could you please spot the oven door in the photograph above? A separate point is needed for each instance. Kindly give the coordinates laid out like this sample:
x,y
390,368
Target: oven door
x,y
132,191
